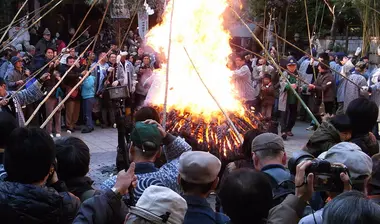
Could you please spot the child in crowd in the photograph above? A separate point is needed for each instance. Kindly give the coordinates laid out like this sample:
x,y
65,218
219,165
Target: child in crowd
x,y
329,133
88,95
267,97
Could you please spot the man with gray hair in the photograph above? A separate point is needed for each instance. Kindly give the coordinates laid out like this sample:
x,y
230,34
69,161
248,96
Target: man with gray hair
x,y
269,156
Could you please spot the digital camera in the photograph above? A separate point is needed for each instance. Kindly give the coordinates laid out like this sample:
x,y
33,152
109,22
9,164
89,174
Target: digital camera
x,y
326,175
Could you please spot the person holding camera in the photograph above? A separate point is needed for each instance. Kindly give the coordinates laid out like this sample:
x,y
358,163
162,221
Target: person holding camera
x,y
246,197
344,162
29,161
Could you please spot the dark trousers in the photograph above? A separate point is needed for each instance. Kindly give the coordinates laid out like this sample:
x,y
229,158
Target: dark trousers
x,y
88,105
329,109
303,113
288,118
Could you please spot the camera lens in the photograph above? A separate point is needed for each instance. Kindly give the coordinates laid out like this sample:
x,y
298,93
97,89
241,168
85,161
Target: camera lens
x,y
297,158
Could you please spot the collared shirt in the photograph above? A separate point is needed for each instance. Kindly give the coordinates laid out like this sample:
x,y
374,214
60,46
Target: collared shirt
x,y
200,211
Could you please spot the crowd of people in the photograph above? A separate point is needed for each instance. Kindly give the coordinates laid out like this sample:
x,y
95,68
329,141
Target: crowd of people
x,y
44,178
327,82
87,105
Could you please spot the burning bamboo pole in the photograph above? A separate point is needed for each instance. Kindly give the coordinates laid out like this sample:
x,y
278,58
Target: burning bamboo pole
x,y
72,90
56,86
19,34
278,68
13,20
213,97
30,78
168,67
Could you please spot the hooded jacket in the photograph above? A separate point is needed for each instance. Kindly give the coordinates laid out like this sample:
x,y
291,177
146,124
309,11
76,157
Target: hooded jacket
x,y
323,139
24,203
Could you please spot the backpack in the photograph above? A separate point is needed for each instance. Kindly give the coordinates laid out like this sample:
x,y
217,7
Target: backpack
x,y
281,188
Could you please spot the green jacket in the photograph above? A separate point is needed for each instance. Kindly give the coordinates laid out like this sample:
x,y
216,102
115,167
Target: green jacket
x,y
292,99
323,139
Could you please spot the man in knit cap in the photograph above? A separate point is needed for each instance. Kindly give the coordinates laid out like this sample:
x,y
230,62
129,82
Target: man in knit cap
x,y
45,43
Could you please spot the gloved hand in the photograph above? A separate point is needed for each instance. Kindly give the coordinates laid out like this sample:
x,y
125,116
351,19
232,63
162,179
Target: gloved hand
x,y
365,90
115,83
358,51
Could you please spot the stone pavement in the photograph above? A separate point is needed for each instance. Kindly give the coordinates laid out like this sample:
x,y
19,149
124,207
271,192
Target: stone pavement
x,y
103,142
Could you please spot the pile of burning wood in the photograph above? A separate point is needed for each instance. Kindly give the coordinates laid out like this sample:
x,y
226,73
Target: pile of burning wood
x,y
213,135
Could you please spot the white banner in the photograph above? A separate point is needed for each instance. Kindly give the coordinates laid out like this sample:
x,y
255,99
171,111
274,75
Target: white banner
x,y
143,21
119,10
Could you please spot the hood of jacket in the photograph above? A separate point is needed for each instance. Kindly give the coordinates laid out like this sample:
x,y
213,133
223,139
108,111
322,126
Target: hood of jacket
x,y
23,203
326,131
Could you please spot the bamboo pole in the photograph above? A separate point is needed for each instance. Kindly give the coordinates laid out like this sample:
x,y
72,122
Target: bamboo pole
x,y
56,86
309,36
39,9
278,68
327,65
84,18
167,69
17,35
297,77
27,80
130,25
101,24
72,90
285,28
13,20
216,101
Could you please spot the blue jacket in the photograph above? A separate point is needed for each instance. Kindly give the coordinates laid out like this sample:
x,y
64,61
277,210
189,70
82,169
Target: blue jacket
x,y
88,88
199,211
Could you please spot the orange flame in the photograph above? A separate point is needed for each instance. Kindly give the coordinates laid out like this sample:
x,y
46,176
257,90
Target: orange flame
x,y
198,26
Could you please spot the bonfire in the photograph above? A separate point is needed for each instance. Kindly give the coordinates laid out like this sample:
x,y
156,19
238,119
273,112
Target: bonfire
x,y
197,25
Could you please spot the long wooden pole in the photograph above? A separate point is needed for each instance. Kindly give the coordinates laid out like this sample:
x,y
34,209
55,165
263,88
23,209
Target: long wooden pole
x,y
167,69
278,68
30,78
84,18
129,26
13,20
57,85
19,34
216,100
301,50
39,9
101,24
258,55
309,36
72,90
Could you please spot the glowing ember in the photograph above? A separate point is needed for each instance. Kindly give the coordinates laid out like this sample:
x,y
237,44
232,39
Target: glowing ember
x,y
197,25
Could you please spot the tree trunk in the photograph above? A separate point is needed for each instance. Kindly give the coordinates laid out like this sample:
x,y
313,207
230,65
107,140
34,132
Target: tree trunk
x,y
334,26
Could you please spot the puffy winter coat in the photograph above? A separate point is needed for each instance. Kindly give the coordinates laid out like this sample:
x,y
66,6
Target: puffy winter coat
x,y
24,203
325,137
